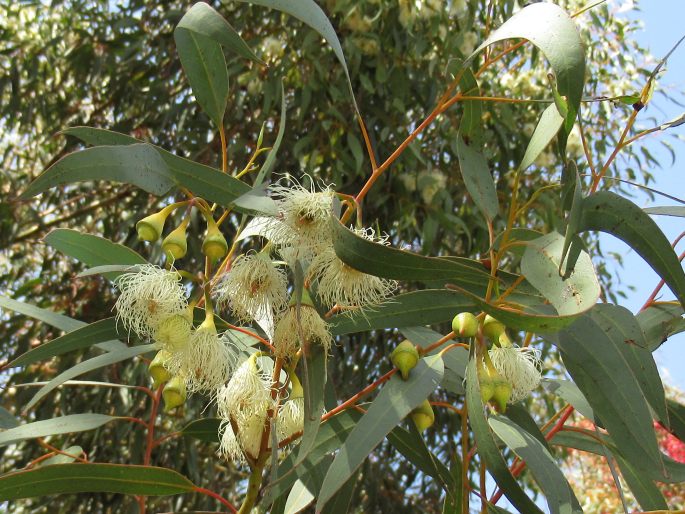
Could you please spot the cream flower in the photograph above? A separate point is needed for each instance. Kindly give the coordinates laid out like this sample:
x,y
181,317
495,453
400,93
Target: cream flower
x,y
339,283
173,333
520,367
290,418
147,297
229,447
253,287
246,394
292,329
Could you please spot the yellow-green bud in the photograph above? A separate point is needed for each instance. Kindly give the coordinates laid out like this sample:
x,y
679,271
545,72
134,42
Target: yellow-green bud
x,y
404,357
150,228
174,393
157,370
214,245
305,300
296,390
487,385
423,416
465,324
502,393
175,244
492,328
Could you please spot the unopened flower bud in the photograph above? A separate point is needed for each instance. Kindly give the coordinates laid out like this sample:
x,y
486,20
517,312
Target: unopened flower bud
x,y
214,245
158,370
174,393
405,357
465,324
487,386
150,228
175,245
423,416
492,328
502,393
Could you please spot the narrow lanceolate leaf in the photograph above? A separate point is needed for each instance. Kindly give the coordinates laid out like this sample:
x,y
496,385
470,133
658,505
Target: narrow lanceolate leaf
x,y
395,401
204,20
54,319
477,179
206,429
471,125
541,264
549,124
676,412
384,261
270,160
314,385
92,478
551,29
204,63
54,426
308,12
487,446
92,250
89,365
670,210
660,321
619,324
605,378
209,183
98,332
425,307
7,419
139,164
560,497
570,393
608,212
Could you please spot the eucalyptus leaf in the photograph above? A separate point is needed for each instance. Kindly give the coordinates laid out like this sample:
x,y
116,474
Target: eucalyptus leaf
x,y
478,179
54,426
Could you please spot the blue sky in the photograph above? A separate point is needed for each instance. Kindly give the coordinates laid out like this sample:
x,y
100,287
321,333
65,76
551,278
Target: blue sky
x,y
663,27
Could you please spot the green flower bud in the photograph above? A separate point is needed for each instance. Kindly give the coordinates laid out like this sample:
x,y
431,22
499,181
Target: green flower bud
x,y
502,393
404,357
305,300
150,228
174,393
487,385
157,370
465,324
175,245
214,245
492,328
423,416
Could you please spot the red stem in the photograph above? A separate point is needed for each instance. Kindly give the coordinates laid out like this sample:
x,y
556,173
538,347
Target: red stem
x,y
217,497
151,426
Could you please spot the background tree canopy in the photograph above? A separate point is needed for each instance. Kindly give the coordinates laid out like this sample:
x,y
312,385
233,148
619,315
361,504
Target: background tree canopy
x,y
115,66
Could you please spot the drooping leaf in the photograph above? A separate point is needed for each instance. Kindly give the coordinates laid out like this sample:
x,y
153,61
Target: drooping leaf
x,y
92,478
205,429
676,415
478,179
549,124
308,12
98,332
425,307
204,64
570,296
7,420
314,386
89,365
137,164
270,160
608,212
487,446
660,321
643,488
203,19
209,183
471,121
394,402
603,375
70,455
54,426
671,210
553,31
570,393
560,497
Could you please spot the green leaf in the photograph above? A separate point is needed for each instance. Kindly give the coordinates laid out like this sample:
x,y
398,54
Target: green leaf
x,y
671,210
541,264
645,490
92,250
660,321
270,160
205,429
89,365
478,179
54,426
676,416
98,332
560,497
204,20
302,494
570,393
601,372
487,446
73,452
392,404
426,307
471,121
549,124
620,325
384,261
53,319
608,212
520,415
204,63
137,164
7,419
314,385
549,28
92,478
308,12
209,183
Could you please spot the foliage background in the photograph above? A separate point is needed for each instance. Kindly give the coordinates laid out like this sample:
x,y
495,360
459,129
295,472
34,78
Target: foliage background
x,y
115,66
